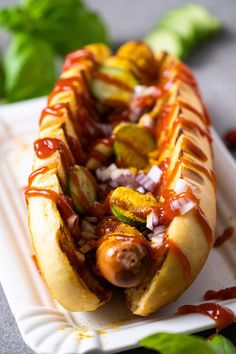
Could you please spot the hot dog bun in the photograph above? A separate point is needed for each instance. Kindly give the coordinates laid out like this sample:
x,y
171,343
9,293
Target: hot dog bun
x,y
192,237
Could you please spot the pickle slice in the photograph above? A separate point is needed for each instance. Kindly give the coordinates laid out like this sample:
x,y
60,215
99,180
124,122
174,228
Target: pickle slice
x,y
110,225
131,206
114,85
141,56
132,145
82,188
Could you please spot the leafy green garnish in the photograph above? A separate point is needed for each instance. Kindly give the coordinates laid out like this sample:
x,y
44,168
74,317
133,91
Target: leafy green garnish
x,y
66,24
223,345
42,30
29,67
174,343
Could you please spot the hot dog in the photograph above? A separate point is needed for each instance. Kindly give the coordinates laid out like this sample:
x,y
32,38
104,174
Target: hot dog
x,y
122,192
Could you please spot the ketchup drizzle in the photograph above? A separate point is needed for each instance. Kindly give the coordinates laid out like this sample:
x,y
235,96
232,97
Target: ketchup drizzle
x,y
55,110
63,203
113,81
222,315
77,56
222,294
45,147
37,172
183,259
227,234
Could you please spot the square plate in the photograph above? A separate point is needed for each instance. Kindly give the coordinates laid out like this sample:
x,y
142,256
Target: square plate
x,y
45,326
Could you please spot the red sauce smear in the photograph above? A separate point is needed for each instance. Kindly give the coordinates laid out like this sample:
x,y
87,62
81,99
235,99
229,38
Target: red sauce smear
x,y
45,147
166,213
230,138
79,155
113,81
194,150
222,294
37,172
227,234
63,203
193,110
183,259
210,175
55,110
85,115
66,84
185,74
184,123
194,126
77,56
222,315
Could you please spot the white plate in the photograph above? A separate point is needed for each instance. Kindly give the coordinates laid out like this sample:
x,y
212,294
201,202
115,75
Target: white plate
x,y
45,326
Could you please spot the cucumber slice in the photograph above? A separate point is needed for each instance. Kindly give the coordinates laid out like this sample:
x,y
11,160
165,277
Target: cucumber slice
x,y
182,26
121,89
205,24
82,188
130,206
166,40
132,145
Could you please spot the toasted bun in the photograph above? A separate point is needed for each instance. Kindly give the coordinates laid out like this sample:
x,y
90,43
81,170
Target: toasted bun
x,y
47,228
185,231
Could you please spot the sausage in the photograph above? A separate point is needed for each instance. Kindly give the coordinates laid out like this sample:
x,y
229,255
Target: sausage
x,y
123,262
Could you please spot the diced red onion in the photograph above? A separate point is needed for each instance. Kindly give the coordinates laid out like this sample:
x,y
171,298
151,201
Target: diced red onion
x,y
146,182
141,90
140,189
147,121
150,185
141,177
71,220
104,173
183,205
152,220
155,173
113,184
158,235
120,172
160,229
182,186
73,225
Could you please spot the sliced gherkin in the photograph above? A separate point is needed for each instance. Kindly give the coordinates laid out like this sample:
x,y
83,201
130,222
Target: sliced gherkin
x,y
132,144
130,206
114,85
82,188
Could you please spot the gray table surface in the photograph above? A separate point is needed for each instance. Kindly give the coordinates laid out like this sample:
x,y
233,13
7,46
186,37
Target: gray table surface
x,y
215,68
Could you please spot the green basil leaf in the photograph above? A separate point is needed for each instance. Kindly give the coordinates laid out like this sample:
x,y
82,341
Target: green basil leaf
x,y
29,67
174,343
15,19
223,345
66,24
1,80
87,28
